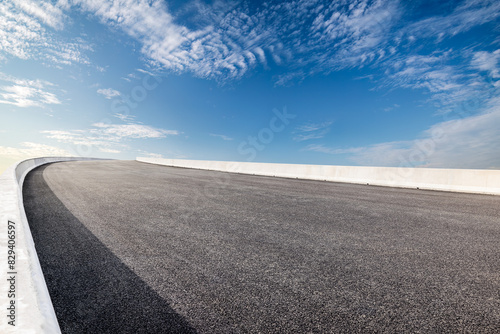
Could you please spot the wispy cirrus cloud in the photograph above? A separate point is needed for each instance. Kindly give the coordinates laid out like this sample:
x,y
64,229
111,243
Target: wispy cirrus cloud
x,y
447,85
392,107
465,16
83,138
487,61
312,131
223,137
26,32
50,14
206,52
27,93
135,131
20,33
330,150
167,153
108,138
124,117
29,149
229,39
449,78
108,93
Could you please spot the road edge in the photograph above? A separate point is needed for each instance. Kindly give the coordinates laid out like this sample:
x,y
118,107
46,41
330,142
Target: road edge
x,y
33,312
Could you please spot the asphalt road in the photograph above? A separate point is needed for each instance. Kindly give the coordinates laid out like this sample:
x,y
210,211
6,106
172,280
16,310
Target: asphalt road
x,y
128,247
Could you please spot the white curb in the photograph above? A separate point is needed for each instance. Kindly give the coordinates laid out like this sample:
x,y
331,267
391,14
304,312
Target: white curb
x,y
24,299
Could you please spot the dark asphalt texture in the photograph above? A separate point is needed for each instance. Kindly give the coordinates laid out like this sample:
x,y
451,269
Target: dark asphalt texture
x,y
129,247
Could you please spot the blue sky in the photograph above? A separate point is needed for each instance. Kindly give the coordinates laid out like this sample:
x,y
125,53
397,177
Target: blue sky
x,y
378,83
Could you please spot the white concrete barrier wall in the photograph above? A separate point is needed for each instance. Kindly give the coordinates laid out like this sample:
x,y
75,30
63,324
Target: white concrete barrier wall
x,y
459,180
24,299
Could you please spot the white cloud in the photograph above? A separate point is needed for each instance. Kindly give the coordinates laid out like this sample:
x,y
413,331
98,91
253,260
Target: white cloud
x,y
80,138
464,17
18,32
133,75
487,61
26,93
329,150
108,93
227,43
124,117
357,35
109,150
226,39
24,33
448,85
68,53
471,142
108,138
29,150
312,131
391,108
311,127
46,12
166,154
136,131
223,137
468,142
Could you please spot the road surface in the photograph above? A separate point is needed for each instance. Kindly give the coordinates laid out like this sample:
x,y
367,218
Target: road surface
x,y
129,247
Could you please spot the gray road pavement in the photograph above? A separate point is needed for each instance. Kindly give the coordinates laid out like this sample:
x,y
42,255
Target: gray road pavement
x,y
128,247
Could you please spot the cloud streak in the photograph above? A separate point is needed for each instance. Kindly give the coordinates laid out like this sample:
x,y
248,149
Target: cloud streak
x,y
26,93
26,32
108,138
311,131
29,150
465,16
134,131
108,93
223,137
487,61
46,12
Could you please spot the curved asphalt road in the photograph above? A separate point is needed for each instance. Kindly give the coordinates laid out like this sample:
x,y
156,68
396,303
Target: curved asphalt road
x,y
128,247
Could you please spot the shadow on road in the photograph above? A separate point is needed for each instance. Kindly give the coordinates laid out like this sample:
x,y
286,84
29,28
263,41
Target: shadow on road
x,y
91,289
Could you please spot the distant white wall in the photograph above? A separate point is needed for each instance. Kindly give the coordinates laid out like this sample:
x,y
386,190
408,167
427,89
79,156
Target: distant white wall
x,y
459,180
34,312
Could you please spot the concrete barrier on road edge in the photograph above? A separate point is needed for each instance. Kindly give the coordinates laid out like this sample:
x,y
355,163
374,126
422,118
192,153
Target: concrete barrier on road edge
x,y
33,311
458,180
